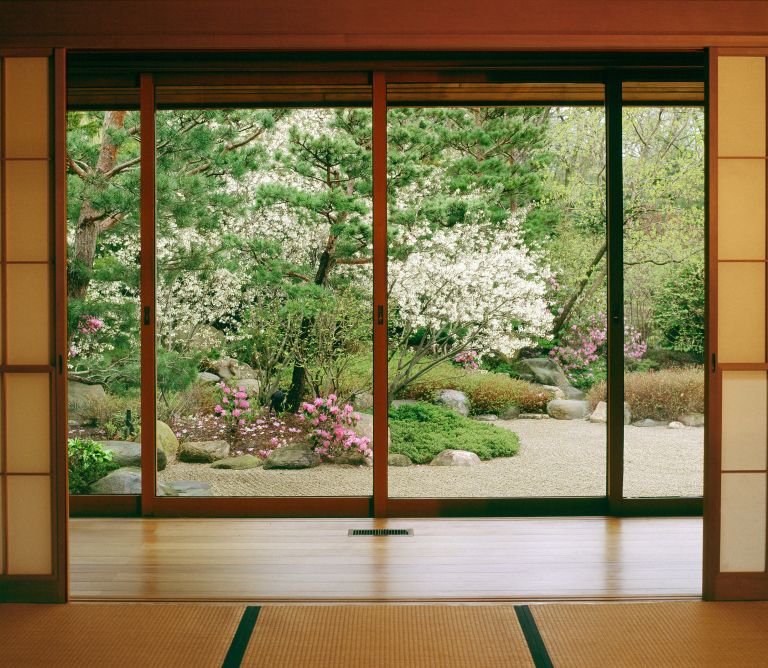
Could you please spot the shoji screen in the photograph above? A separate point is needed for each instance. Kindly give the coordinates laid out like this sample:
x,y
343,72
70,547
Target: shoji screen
x,y
737,535
28,567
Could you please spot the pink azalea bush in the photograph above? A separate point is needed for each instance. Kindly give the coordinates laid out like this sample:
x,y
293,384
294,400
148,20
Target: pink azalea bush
x,y
332,428
468,359
233,408
583,351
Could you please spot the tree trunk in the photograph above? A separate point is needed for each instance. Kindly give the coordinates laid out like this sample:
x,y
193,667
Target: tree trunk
x,y
299,375
563,316
89,221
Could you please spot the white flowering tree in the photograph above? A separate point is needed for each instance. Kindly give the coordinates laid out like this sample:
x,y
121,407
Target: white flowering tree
x,y
468,286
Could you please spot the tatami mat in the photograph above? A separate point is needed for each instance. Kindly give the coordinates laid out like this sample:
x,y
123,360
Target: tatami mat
x,y
386,636
655,635
113,636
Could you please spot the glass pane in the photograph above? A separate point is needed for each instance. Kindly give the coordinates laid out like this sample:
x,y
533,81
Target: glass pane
x,y
103,311
664,301
264,341
497,301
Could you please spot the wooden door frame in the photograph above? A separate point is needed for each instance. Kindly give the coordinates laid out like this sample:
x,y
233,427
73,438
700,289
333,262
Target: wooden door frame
x,y
380,504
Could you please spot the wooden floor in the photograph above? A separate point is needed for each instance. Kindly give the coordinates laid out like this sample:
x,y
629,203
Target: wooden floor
x,y
446,559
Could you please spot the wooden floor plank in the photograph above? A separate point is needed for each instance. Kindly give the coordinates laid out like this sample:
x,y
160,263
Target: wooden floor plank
x,y
455,559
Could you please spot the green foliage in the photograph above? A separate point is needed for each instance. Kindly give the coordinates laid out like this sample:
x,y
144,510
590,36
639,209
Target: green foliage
x,y
422,431
679,310
659,395
88,462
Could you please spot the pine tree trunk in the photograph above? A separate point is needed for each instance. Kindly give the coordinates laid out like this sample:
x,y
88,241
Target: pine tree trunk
x,y
89,221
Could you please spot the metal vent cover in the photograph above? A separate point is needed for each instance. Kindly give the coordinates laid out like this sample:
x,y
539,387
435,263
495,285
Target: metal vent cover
x,y
380,532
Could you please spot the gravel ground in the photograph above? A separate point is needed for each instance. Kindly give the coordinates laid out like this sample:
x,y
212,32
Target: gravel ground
x,y
556,458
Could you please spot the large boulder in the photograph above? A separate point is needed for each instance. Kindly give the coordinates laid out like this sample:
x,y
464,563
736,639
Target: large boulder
x,y
207,378
455,458
294,456
600,414
403,402
364,427
165,438
453,400
203,452
126,480
250,385
398,459
568,409
229,369
80,394
240,463
546,371
128,453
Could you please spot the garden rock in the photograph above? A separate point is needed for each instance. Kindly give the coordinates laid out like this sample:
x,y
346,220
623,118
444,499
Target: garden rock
x,y
600,414
128,453
240,463
487,418
546,371
208,378
510,413
403,402
453,400
205,452
353,458
364,427
676,425
363,401
455,458
534,416
250,385
568,409
185,488
295,456
397,459
79,394
228,368
165,438
126,480
650,423
556,392
692,419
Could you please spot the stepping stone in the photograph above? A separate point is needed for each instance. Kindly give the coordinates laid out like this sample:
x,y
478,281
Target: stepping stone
x,y
692,419
185,488
649,423
510,413
240,463
486,418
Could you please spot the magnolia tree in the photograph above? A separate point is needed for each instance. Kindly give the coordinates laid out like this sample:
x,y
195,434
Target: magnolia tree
x,y
471,286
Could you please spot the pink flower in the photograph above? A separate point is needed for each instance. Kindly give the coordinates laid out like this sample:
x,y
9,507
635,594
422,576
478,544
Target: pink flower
x,y
319,401
224,400
236,412
218,409
273,441
331,397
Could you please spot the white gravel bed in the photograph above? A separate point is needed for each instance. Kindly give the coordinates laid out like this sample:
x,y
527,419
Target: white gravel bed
x,y
556,458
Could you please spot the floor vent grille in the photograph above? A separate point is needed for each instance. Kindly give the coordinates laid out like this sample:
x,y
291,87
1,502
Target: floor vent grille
x,y
380,532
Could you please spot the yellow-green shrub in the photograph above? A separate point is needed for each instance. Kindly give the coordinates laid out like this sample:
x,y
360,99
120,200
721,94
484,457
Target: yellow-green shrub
x,y
659,395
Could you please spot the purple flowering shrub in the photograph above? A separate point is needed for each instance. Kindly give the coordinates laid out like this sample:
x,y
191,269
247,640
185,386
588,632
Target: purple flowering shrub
x,y
233,409
582,353
332,428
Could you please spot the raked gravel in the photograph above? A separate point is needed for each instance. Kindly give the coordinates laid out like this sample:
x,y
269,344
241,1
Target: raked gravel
x,y
556,458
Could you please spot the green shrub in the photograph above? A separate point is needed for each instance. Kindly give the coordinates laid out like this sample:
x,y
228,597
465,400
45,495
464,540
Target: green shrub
x,y
659,395
679,310
88,462
423,430
109,410
487,392
198,399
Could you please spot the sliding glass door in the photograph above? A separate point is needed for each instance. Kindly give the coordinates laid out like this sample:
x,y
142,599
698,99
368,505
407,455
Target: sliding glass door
x,y
506,268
